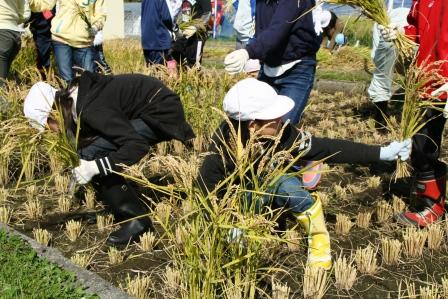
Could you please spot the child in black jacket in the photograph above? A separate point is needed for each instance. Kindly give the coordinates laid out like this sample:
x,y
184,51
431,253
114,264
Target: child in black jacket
x,y
254,106
122,116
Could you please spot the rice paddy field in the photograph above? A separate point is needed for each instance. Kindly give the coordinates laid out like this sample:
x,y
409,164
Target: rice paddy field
x,y
190,255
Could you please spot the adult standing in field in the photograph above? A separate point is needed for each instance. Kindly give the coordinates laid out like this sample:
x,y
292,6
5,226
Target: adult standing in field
x,y
286,43
12,13
158,26
384,56
194,21
428,27
332,28
244,22
73,29
40,27
255,110
121,117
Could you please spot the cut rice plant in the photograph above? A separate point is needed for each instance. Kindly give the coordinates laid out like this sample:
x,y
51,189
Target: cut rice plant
x,y
64,203
344,273
31,192
363,219
34,209
5,215
445,287
343,224
172,278
4,170
55,165
61,183
340,192
373,182
82,260
435,236
138,287
115,256
147,241
42,236
398,205
429,292
324,197
293,240
73,230
163,212
414,241
180,235
391,250
384,211
366,260
376,10
315,283
3,194
280,290
410,289
104,221
89,199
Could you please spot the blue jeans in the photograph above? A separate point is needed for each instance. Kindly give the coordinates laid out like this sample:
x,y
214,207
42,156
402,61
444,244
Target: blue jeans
x,y
67,57
287,193
295,83
101,147
155,56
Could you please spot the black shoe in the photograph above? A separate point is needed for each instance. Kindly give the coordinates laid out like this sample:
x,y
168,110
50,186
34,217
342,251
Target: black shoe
x,y
129,232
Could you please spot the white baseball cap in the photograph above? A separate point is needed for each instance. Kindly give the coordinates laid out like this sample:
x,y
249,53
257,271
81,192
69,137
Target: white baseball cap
x,y
251,99
38,104
252,65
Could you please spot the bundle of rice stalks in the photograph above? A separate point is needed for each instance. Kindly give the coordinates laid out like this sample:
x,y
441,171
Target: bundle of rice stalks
x,y
414,241
42,236
61,183
429,292
398,205
376,10
293,240
384,211
366,260
147,241
115,256
5,215
315,283
89,199
83,260
373,182
435,236
139,286
34,209
363,219
104,221
417,81
280,290
64,204
201,28
73,230
344,273
390,251
343,224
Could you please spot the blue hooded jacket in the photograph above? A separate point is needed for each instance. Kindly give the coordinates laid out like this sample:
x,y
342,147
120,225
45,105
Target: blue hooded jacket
x,y
284,32
156,24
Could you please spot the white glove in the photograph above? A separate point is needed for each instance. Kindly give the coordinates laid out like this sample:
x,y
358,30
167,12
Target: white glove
x,y
98,38
234,62
395,150
85,171
389,33
189,31
439,92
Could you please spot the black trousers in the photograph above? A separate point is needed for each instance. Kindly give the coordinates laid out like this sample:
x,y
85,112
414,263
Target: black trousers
x,y
188,52
426,144
9,47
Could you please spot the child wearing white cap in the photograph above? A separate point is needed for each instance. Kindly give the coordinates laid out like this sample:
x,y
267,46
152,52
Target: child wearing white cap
x,y
254,106
118,125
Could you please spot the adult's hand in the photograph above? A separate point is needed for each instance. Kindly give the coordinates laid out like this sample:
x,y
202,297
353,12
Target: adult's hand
x,y
234,62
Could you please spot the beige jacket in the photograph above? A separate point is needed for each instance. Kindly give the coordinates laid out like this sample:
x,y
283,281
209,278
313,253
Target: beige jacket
x,y
13,13
73,19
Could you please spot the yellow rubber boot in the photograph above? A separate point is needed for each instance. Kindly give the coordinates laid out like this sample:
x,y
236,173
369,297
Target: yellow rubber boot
x,y
312,220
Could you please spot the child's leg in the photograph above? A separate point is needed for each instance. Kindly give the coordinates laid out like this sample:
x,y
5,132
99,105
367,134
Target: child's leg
x,y
307,209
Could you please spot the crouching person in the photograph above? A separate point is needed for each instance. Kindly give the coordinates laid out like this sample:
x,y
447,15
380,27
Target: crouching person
x,y
254,106
121,117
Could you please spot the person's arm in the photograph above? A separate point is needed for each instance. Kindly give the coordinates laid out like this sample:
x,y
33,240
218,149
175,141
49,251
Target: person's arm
x,y
286,15
411,30
206,11
115,127
99,15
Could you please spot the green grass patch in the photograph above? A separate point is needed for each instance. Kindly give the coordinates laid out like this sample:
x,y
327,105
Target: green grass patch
x,y
24,275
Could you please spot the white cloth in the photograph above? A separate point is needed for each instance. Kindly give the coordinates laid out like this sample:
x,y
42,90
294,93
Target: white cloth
x,y
279,70
98,40
174,7
38,104
85,171
317,19
252,65
251,99
442,90
244,24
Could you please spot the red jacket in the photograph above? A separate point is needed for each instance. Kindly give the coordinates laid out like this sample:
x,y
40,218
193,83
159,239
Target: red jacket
x,y
428,26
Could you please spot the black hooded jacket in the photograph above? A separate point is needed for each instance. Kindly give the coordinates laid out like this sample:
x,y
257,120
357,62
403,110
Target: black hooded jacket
x,y
107,104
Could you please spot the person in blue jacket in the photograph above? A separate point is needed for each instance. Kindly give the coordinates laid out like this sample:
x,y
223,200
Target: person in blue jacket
x,y
157,28
286,43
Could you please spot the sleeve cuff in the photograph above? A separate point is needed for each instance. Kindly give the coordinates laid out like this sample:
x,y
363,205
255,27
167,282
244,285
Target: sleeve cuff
x,y
104,166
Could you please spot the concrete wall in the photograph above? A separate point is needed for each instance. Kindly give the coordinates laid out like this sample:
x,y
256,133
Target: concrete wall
x,y
114,27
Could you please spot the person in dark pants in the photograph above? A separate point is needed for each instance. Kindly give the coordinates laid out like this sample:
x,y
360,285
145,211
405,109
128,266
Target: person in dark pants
x,y
121,118
188,49
100,59
40,27
12,13
254,107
